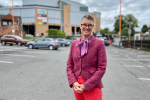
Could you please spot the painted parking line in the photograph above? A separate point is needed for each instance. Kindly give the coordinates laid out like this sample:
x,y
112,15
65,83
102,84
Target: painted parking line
x,y
115,55
5,62
122,59
18,55
143,59
133,65
35,52
147,79
135,60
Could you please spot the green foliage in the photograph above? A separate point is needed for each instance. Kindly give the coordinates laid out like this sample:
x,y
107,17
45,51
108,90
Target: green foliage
x,y
105,30
55,33
125,23
124,31
68,37
145,28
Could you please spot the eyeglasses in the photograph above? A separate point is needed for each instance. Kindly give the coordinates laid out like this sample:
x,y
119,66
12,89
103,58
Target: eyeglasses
x,y
85,25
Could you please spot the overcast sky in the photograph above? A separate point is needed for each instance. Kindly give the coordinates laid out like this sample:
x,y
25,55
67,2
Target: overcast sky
x,y
111,8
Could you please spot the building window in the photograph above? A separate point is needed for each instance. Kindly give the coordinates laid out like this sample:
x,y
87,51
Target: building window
x,y
4,22
15,23
10,23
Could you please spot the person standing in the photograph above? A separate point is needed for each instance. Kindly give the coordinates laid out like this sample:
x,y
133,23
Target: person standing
x,y
86,63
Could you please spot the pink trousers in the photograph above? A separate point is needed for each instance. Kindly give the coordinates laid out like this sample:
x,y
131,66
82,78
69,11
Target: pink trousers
x,y
94,94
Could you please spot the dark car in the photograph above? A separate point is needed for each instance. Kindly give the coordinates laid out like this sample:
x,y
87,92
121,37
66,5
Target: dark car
x,y
106,43
63,42
49,43
13,39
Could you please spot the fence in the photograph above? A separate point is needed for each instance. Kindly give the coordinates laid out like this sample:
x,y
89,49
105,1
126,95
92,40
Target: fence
x,y
137,44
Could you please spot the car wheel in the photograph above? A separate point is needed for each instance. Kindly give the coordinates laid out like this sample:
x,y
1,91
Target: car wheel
x,y
3,43
18,43
30,46
51,47
63,45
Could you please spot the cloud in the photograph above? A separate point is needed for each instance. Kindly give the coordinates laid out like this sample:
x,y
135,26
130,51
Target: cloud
x,y
109,9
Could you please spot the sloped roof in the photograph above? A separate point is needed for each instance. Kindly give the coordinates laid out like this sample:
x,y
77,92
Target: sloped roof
x,y
8,17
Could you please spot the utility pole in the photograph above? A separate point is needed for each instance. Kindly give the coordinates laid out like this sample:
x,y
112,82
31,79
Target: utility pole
x,y
113,36
120,23
120,26
13,18
129,30
108,35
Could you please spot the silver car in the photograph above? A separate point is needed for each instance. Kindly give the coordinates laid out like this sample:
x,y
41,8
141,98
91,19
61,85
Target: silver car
x,y
49,43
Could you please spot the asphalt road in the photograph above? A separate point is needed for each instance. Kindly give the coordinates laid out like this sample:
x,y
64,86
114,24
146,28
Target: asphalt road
x,y
40,74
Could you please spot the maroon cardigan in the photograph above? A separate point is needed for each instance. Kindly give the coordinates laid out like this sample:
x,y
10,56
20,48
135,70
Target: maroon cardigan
x,y
91,67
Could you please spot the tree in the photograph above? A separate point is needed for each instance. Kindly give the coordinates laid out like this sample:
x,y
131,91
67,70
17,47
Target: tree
x,y
116,25
105,30
55,33
125,23
144,28
124,31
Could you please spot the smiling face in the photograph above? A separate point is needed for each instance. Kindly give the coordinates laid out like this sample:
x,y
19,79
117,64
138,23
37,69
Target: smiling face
x,y
86,27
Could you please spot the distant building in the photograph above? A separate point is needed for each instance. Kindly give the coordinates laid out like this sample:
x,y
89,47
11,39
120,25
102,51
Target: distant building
x,y
37,16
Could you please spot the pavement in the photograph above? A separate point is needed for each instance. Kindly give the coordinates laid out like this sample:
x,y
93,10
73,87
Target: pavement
x,y
40,74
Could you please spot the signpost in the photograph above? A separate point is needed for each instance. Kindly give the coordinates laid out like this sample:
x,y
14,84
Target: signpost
x,y
42,17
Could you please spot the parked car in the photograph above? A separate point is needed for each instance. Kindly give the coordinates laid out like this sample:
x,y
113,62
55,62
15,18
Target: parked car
x,y
106,43
49,43
13,39
63,42
69,41
29,35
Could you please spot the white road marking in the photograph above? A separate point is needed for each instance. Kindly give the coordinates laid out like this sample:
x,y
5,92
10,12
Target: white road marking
x,y
132,59
143,59
18,55
132,53
115,55
35,52
5,62
122,59
133,65
143,55
144,79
